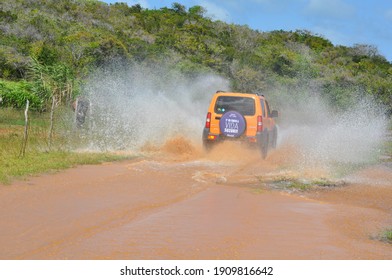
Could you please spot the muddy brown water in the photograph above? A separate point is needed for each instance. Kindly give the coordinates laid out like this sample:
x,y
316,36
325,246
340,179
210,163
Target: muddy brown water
x,y
184,204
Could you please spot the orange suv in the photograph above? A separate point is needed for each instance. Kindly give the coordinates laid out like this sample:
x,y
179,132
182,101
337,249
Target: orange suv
x,y
241,116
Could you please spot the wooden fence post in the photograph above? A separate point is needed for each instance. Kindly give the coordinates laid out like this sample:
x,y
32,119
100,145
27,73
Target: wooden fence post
x,y
26,131
51,121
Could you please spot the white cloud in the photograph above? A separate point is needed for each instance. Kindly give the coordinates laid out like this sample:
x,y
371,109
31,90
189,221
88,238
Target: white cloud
x,y
330,9
216,12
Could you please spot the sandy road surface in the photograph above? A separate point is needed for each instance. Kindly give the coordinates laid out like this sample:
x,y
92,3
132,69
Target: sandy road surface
x,y
192,207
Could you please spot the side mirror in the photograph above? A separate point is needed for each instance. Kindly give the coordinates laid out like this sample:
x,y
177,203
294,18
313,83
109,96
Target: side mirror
x,y
274,114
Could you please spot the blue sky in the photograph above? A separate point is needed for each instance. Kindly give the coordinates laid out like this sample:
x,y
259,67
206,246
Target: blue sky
x,y
343,22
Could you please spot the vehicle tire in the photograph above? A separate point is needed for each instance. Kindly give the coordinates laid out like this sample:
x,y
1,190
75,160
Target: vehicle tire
x,y
232,124
207,146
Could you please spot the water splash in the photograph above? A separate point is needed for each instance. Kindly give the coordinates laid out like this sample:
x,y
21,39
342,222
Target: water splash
x,y
137,106
330,139
132,105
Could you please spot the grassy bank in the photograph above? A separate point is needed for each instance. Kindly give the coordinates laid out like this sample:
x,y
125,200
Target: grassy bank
x,y
387,236
40,162
38,157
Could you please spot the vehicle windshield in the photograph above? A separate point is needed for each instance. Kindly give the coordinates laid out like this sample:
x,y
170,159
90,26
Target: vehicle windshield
x,y
243,105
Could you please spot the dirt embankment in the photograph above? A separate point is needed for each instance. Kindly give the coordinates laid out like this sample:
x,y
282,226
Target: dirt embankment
x,y
184,204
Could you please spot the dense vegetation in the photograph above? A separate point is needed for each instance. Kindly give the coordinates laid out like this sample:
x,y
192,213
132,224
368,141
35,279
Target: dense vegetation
x,y
48,47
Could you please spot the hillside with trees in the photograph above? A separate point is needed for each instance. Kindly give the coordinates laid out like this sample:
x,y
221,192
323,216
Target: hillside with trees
x,y
49,47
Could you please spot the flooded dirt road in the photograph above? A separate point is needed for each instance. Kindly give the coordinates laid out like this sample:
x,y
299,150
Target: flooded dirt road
x,y
183,204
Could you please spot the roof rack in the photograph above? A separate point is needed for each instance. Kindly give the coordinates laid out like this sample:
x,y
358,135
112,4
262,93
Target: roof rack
x,y
256,93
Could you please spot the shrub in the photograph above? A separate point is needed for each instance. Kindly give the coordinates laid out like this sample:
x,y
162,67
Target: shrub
x,y
15,94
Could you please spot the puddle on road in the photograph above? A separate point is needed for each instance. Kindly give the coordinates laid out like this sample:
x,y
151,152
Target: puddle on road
x,y
187,204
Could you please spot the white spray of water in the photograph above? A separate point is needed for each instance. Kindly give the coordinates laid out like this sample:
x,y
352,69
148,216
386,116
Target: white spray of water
x,y
326,138
132,105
